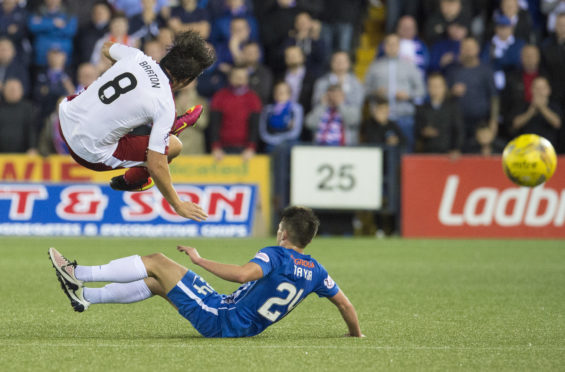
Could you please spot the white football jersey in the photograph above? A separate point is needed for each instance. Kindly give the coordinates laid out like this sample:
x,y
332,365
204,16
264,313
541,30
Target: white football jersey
x,y
133,92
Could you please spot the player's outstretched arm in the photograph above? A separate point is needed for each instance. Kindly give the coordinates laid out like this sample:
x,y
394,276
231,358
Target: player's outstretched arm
x,y
158,168
233,273
348,313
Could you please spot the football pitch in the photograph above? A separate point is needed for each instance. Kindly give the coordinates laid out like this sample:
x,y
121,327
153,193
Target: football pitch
x,y
423,304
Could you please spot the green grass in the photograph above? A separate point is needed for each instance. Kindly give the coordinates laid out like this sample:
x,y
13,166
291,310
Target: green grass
x,y
423,304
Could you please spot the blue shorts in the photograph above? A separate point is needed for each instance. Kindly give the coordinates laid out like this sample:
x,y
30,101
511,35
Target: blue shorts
x,y
198,302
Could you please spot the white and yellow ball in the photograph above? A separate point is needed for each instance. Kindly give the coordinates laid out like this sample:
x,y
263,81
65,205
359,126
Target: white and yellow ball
x,y
529,160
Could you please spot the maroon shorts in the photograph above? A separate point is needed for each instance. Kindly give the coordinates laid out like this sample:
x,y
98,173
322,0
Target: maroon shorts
x,y
131,149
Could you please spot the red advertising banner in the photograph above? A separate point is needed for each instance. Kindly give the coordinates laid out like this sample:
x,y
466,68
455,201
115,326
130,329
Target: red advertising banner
x,y
472,198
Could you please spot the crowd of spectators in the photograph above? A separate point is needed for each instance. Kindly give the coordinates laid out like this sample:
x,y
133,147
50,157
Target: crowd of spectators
x,y
450,76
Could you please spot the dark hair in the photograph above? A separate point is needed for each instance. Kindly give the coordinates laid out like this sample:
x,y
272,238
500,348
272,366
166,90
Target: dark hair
x,y
377,100
301,225
188,57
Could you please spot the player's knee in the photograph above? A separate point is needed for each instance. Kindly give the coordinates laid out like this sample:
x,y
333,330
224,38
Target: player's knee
x,y
153,261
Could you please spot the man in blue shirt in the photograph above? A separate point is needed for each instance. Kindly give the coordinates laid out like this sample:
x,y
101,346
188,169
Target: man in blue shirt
x,y
275,281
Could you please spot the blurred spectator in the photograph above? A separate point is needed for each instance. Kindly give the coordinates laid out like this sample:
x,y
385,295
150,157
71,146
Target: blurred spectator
x,y
473,84
297,76
81,9
154,49
340,74
552,8
439,124
306,35
519,18
118,33
230,52
96,29
485,141
518,88
412,48
166,36
17,132
553,60
10,68
221,26
332,122
541,116
281,122
145,25
193,138
13,25
211,80
52,83
449,11
400,82
260,77
503,51
378,128
218,8
188,16
50,139
339,18
134,7
445,53
234,117
86,75
52,27
275,28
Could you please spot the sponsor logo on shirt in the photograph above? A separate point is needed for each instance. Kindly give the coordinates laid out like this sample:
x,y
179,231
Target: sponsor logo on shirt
x,y
301,262
329,282
262,256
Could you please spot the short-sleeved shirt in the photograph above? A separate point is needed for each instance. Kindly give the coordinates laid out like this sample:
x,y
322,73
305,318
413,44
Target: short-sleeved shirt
x,y
288,277
135,91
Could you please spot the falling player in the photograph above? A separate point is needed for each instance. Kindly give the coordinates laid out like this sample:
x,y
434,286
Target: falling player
x,y
134,92
275,281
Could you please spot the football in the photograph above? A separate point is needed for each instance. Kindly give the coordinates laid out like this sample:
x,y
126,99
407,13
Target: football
x,y
529,160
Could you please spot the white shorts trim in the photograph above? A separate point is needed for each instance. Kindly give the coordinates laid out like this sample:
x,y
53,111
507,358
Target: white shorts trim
x,y
198,300
115,163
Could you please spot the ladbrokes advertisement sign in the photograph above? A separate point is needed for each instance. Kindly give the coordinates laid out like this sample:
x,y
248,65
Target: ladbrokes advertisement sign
x,y
55,196
472,198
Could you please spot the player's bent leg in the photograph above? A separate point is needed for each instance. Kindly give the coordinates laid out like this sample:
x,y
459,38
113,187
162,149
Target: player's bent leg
x,y
166,271
118,293
157,289
175,147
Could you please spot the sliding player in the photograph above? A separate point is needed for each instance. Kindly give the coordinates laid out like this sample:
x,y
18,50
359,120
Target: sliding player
x,y
137,91
275,281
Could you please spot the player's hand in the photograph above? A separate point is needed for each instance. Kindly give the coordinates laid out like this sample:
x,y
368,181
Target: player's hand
x,y
190,252
191,210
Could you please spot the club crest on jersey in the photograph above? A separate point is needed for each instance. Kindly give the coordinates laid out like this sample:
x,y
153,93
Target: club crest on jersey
x,y
329,282
262,256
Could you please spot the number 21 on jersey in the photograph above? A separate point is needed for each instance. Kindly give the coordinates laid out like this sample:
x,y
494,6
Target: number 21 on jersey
x,y
292,298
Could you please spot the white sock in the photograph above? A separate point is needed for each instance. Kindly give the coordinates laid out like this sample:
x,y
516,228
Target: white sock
x,y
122,270
118,293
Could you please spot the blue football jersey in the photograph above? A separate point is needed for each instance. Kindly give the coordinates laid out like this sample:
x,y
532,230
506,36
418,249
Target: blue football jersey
x,y
288,277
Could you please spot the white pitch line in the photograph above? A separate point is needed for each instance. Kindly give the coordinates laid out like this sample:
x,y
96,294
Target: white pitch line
x,y
302,347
